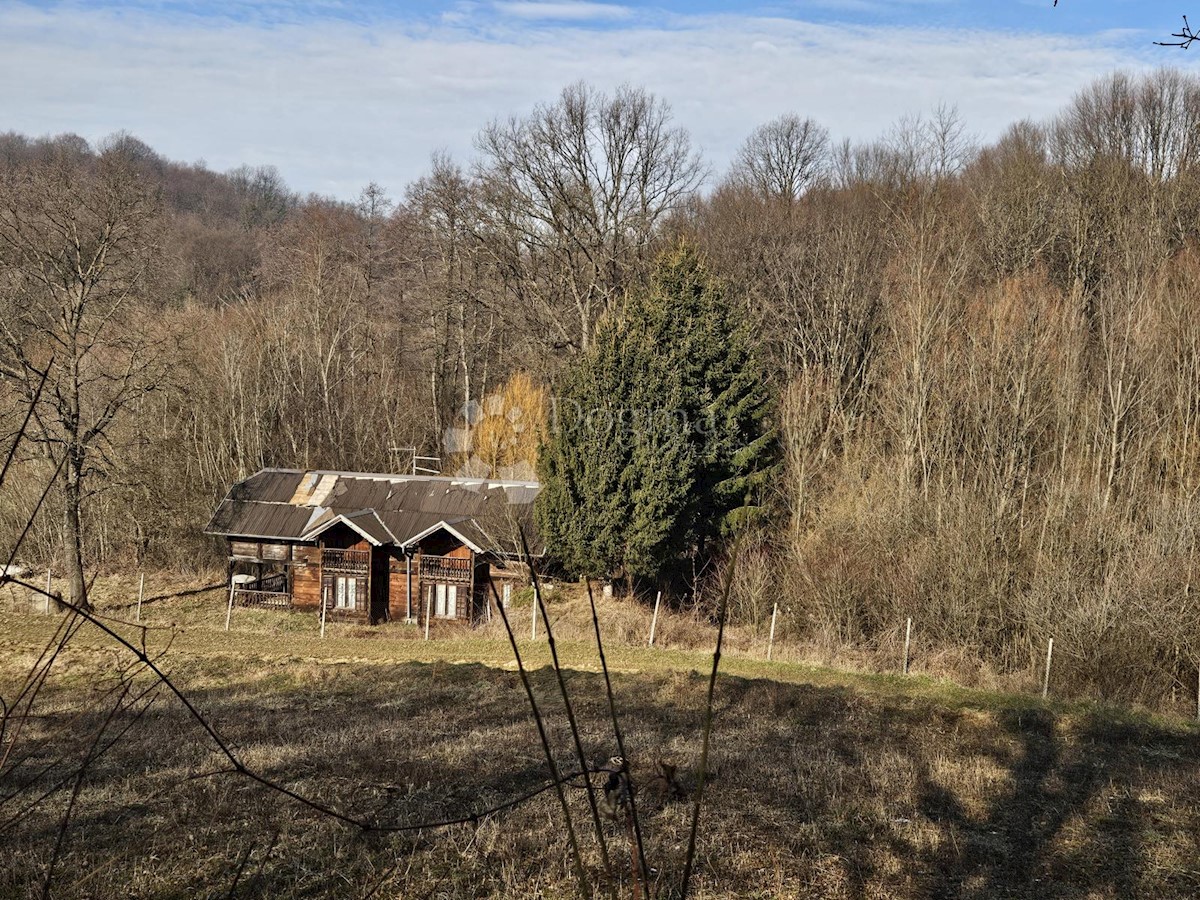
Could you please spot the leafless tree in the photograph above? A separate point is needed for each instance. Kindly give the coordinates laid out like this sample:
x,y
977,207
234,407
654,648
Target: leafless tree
x,y
575,195
783,158
452,288
77,243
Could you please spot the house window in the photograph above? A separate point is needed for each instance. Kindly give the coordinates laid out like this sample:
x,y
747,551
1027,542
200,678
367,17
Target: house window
x,y
344,592
443,600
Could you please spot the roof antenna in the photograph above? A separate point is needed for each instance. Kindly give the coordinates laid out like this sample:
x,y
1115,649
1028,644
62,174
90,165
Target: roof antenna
x,y
417,468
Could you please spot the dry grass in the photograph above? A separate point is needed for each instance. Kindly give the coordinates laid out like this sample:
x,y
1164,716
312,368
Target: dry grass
x,y
827,784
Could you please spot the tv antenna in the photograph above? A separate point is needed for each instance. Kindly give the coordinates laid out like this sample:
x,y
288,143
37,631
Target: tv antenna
x,y
417,461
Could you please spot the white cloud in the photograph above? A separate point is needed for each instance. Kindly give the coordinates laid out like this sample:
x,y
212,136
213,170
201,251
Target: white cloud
x,y
572,10
335,105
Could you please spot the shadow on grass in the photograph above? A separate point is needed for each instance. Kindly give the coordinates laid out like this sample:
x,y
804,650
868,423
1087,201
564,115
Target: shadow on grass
x,y
818,791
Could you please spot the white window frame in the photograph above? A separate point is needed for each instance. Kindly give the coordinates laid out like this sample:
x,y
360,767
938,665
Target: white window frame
x,y
345,592
443,600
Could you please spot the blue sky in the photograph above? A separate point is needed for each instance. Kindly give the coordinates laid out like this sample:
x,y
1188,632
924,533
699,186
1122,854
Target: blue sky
x,y
337,93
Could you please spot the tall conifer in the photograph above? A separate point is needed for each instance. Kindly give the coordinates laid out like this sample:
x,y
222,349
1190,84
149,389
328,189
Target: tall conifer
x,y
659,439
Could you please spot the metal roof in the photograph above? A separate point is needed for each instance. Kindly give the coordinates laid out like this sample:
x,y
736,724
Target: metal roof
x,y
294,504
253,519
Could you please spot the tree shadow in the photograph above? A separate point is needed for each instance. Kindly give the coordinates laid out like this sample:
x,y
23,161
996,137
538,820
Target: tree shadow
x,y
829,790
1070,822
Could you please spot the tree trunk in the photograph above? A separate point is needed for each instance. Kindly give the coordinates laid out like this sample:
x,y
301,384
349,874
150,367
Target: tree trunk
x,y
73,495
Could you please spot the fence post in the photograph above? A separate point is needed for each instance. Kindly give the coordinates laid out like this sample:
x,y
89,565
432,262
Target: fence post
x,y
771,639
533,619
1046,676
46,604
907,642
428,604
324,606
141,590
229,611
654,620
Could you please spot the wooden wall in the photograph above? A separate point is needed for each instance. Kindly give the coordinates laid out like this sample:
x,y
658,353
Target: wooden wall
x,y
388,575
253,550
306,577
398,585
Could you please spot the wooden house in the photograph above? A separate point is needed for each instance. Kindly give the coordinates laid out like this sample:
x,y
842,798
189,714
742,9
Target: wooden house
x,y
374,547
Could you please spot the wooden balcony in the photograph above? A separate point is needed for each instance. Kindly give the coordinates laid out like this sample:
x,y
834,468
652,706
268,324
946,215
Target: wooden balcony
x,y
262,599
346,562
449,569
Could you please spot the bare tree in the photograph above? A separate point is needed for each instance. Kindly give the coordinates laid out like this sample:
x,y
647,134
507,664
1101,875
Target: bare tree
x,y
574,196
783,158
77,240
451,287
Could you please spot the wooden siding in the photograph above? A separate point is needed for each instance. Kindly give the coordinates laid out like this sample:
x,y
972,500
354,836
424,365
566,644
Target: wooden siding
x,y
306,577
382,594
259,550
398,586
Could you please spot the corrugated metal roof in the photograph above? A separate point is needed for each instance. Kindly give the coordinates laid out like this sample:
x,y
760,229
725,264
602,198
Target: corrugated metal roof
x,y
287,504
369,522
248,518
406,524
267,486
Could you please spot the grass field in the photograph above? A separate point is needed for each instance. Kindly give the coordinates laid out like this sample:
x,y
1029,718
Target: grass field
x,y
827,784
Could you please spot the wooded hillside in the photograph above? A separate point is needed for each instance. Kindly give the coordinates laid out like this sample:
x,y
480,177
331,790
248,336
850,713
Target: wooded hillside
x,y
986,358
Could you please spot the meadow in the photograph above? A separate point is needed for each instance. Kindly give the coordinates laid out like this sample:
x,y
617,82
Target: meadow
x,y
824,782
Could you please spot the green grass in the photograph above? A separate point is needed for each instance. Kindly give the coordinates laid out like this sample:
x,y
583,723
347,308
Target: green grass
x,y
827,783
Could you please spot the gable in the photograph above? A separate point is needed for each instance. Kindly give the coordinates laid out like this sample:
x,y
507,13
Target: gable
x,y
297,505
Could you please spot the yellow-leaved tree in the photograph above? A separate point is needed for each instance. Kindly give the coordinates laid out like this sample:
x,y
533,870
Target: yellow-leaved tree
x,y
505,430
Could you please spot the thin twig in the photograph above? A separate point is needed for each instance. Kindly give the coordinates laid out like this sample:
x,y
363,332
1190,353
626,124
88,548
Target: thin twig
x,y
61,783
580,872
33,402
562,687
29,522
79,776
240,768
612,708
1186,37
37,676
708,717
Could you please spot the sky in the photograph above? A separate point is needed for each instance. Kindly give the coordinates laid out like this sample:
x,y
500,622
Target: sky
x,y
340,93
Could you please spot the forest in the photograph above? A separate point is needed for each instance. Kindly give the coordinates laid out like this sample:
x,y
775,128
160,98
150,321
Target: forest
x,y
983,357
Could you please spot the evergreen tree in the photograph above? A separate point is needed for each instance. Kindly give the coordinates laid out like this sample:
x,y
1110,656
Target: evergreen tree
x,y
659,440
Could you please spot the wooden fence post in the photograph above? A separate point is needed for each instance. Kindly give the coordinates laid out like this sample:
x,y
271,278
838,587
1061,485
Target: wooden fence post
x,y
654,620
1046,676
229,611
47,603
533,620
907,642
141,591
771,639
324,606
428,605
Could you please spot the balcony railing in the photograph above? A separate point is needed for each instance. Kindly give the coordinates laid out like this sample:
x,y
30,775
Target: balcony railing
x,y
348,562
266,599
446,568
